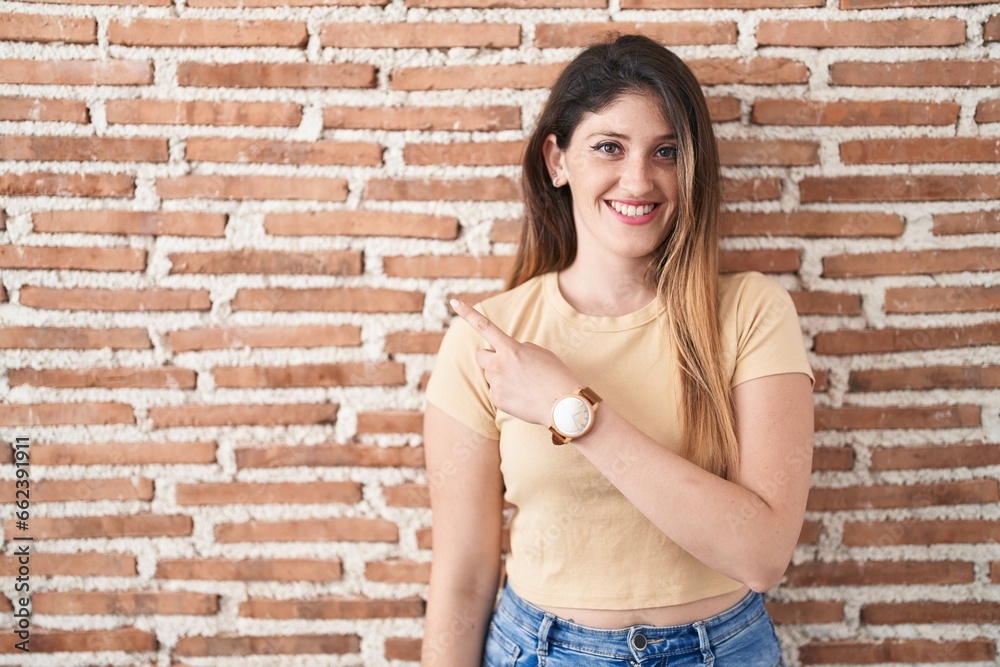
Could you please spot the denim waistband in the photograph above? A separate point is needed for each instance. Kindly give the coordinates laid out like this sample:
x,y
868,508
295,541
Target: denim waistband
x,y
635,641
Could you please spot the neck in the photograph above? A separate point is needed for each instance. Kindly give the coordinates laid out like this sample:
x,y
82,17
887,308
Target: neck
x,y
606,288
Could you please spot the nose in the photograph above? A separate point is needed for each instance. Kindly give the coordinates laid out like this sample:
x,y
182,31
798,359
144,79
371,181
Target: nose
x,y
636,176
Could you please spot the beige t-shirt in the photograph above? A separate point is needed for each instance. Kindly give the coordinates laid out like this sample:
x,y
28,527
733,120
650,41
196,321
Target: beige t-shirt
x,y
575,540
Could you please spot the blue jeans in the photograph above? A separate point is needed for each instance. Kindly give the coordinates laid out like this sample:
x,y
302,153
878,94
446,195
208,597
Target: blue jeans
x,y
522,635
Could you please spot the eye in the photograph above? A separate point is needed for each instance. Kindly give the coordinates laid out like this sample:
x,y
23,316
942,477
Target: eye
x,y
607,147
668,152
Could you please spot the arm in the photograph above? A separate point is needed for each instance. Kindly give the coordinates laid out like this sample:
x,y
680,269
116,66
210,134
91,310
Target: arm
x,y
745,530
466,490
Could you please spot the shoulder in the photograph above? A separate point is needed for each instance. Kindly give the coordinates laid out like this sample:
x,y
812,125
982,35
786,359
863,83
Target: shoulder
x,y
738,291
510,303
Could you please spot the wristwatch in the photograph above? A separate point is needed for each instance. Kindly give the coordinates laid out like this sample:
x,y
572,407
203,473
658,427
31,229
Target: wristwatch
x,y
573,415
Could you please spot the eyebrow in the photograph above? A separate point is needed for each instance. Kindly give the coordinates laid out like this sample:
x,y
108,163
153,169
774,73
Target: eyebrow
x,y
616,135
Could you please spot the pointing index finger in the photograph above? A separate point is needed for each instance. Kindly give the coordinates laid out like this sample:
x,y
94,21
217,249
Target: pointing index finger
x,y
490,332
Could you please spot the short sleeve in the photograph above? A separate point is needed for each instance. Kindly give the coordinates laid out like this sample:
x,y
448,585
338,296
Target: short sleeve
x,y
769,336
457,384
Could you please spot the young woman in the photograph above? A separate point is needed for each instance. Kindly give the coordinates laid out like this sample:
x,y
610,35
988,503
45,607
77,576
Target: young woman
x,y
649,420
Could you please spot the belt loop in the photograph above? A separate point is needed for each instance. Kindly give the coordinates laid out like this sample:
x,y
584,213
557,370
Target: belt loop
x,y
543,634
703,643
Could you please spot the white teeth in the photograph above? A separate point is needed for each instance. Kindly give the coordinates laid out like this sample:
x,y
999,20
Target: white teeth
x,y
632,211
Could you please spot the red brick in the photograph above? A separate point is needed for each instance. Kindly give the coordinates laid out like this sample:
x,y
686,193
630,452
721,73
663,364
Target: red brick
x,y
309,530
521,4
876,4
931,377
905,651
323,262
931,611
143,223
811,224
88,564
942,299
420,35
407,495
57,338
977,222
207,32
110,378
723,109
853,113
717,4
447,266
879,573
278,569
958,73
922,532
225,338
363,300
562,35
810,611
201,112
826,303
254,493
147,3
83,149
255,645
207,186
988,111
934,416
345,374
85,298
464,153
991,29
765,261
127,453
58,414
398,571
833,458
403,648
897,33
276,75
82,490
129,603
72,258
935,456
390,421
897,340
330,607
715,71
475,77
995,572
44,640
413,342
41,184
47,28
750,189
77,72
917,262
275,414
922,150
106,527
774,152
973,491
258,151
44,110
240,4
899,188
487,119
497,188
361,223
318,456
506,231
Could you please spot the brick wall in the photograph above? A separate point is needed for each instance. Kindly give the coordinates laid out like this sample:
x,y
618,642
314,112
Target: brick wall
x,y
228,229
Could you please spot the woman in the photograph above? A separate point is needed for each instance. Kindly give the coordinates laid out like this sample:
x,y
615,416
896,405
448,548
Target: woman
x,y
649,420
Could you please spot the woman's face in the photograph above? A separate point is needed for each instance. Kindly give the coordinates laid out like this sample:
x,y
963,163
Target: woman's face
x,y
621,167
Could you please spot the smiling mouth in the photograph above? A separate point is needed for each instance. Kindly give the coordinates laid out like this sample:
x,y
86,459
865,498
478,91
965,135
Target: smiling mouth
x,y
631,210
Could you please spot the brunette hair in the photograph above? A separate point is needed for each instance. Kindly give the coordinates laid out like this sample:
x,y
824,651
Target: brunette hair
x,y
686,266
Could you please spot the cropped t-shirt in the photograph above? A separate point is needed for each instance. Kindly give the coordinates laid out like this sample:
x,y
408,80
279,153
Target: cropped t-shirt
x,y
575,540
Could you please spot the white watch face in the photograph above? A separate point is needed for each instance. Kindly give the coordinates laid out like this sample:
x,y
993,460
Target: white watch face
x,y
571,415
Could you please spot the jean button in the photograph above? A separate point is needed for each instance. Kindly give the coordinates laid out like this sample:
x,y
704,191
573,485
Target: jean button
x,y
639,641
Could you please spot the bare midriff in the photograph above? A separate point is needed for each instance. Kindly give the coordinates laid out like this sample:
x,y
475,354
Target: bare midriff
x,y
671,615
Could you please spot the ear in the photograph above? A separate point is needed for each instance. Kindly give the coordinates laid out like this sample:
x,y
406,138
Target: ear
x,y
555,158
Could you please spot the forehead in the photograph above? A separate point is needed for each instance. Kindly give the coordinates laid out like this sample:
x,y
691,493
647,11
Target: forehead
x,y
635,115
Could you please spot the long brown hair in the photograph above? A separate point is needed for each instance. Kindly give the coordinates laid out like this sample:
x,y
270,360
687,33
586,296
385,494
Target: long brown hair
x,y
686,267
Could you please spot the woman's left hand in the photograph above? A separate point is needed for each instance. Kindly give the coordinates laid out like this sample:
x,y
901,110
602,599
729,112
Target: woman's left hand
x,y
525,379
